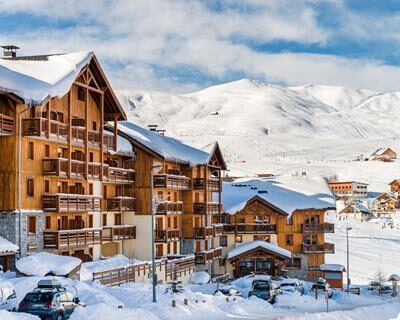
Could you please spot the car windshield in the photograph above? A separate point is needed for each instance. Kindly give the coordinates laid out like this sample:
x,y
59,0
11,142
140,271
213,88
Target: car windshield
x,y
38,297
288,284
261,287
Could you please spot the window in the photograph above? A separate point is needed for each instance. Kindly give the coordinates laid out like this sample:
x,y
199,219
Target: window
x,y
159,250
289,239
48,222
90,221
91,157
31,225
239,239
168,248
81,94
46,150
117,219
104,219
46,186
105,192
175,222
169,222
223,241
294,263
175,247
90,188
30,192
94,126
312,239
31,151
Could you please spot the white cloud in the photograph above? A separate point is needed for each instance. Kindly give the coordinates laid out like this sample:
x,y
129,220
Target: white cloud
x,y
136,36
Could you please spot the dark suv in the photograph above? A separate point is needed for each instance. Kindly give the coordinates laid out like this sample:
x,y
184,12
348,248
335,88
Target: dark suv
x,y
264,289
49,301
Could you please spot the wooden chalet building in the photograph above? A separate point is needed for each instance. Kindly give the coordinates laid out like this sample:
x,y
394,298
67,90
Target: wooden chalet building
x,y
186,194
75,189
386,204
384,154
288,213
395,186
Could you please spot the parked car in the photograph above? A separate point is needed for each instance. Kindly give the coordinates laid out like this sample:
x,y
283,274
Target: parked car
x,y
321,286
50,301
228,290
264,289
291,285
8,297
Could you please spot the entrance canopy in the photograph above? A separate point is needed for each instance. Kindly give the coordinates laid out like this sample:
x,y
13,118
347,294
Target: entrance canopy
x,y
248,247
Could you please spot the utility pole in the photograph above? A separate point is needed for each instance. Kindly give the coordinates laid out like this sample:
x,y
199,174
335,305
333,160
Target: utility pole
x,y
348,262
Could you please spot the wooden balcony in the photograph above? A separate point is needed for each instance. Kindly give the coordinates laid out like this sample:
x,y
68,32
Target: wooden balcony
x,y
205,256
213,184
218,230
170,208
121,204
318,228
167,235
70,239
116,233
94,171
209,208
58,167
7,125
118,175
203,232
250,228
39,127
62,202
319,248
170,181
108,141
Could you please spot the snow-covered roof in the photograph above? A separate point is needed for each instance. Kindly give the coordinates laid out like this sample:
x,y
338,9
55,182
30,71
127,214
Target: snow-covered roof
x,y
285,193
44,263
35,80
381,151
168,148
7,246
248,246
332,267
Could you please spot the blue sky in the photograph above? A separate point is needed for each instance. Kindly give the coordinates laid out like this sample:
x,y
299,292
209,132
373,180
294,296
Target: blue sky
x,y
184,45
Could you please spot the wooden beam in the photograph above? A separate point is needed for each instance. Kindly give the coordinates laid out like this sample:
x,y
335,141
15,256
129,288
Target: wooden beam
x,y
48,119
115,133
86,133
101,136
85,86
69,131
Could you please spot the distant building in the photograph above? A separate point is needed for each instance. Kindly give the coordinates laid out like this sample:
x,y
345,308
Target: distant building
x,y
384,154
358,211
349,190
385,204
395,185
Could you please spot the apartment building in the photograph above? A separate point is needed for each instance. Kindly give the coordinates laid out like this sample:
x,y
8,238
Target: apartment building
x,y
184,186
349,190
276,226
65,188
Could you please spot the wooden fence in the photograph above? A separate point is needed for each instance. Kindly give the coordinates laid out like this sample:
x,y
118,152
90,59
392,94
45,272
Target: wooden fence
x,y
170,269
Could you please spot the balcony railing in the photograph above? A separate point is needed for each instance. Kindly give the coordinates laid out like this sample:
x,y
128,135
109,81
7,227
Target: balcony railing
x,y
119,175
319,248
169,208
115,233
55,167
250,228
67,239
63,202
318,228
202,233
94,170
59,167
7,125
121,204
204,256
39,127
167,235
108,141
202,208
212,184
218,230
171,182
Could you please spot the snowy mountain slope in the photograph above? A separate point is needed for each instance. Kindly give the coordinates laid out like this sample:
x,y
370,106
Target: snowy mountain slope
x,y
270,128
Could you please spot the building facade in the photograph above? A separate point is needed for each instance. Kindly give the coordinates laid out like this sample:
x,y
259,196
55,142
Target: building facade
x,y
349,190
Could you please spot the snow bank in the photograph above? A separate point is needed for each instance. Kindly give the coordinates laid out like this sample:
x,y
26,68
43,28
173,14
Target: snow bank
x,y
43,263
105,312
286,193
200,277
7,246
245,247
5,315
34,81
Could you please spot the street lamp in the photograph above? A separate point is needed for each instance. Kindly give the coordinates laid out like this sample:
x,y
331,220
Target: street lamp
x,y
348,271
154,168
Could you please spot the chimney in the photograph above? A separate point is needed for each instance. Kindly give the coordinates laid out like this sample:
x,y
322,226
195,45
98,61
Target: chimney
x,y
9,51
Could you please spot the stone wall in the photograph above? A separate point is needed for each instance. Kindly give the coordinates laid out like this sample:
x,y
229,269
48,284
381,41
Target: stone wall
x,y
9,229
